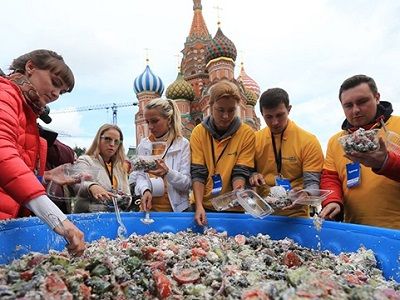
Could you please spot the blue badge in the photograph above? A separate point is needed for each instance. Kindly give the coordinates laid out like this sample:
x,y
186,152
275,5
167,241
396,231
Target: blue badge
x,y
353,172
283,182
217,184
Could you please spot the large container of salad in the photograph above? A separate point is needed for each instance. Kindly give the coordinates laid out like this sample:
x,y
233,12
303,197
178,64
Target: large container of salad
x,y
21,236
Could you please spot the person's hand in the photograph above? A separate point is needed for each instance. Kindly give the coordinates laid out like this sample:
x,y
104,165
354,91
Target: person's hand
x,y
200,215
59,176
238,184
99,193
145,202
257,179
76,243
373,159
330,211
161,170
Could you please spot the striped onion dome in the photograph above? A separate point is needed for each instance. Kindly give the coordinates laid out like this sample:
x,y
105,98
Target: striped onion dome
x,y
148,82
251,97
180,89
220,46
248,82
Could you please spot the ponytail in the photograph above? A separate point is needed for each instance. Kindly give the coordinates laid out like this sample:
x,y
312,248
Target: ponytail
x,y
176,121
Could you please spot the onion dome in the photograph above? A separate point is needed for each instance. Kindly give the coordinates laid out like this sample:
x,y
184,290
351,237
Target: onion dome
x,y
220,46
148,82
248,82
251,97
180,89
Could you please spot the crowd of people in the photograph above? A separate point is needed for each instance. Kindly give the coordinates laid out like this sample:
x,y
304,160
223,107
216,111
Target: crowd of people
x,y
223,155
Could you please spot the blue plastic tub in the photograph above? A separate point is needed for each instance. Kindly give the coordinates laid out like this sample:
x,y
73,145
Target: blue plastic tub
x,y
18,237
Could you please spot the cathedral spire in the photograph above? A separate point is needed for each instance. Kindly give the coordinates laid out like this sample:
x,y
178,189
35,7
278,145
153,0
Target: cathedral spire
x,y
198,30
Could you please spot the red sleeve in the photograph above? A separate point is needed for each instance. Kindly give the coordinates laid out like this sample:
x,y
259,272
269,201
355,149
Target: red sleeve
x,y
391,168
330,181
17,179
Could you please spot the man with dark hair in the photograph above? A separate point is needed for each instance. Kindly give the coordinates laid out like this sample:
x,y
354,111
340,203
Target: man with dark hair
x,y
365,185
286,154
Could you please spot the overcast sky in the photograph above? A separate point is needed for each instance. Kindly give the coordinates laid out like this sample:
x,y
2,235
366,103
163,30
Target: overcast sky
x,y
306,47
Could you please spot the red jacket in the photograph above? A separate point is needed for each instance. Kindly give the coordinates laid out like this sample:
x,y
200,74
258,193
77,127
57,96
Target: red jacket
x,y
330,179
22,152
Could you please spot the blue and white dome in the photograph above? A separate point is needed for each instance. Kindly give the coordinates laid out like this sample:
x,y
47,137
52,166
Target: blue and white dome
x,y
148,82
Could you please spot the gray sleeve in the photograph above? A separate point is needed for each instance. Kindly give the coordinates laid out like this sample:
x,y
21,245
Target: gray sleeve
x,y
311,180
199,173
241,172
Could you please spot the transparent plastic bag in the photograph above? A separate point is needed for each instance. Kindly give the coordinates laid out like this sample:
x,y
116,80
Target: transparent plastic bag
x,y
393,142
276,196
360,141
143,163
70,174
122,199
146,161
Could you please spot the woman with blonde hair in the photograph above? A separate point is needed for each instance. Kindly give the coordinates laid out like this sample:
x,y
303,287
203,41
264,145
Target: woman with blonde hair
x,y
107,155
222,150
167,187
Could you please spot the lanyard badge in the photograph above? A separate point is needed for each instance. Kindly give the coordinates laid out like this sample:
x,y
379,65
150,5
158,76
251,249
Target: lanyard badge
x,y
279,180
217,184
353,172
216,178
284,182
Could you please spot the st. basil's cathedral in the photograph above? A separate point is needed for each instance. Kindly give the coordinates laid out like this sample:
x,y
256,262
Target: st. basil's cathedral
x,y
205,61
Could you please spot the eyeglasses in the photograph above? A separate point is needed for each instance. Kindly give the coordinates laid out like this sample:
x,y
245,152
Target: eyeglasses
x,y
109,140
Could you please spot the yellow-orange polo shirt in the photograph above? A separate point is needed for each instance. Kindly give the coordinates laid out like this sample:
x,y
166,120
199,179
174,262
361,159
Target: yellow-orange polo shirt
x,y
239,151
376,201
301,152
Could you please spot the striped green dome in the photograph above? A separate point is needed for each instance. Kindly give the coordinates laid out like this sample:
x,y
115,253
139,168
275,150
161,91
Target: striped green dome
x,y
180,89
251,97
220,46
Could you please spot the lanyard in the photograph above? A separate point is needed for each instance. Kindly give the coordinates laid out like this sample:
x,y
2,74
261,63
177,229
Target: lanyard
x,y
166,151
212,152
110,174
278,155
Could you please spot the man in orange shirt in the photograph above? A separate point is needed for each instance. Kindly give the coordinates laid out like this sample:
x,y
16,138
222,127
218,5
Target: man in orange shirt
x,y
285,154
372,196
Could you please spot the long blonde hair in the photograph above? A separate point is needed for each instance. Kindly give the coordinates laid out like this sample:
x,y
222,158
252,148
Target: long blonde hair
x,y
119,157
168,109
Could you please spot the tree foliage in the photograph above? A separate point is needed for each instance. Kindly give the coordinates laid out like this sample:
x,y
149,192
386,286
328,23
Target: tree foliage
x,y
79,151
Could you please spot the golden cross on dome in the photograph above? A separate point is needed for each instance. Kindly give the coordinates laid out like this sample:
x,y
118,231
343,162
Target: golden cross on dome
x,y
178,57
147,55
241,52
218,9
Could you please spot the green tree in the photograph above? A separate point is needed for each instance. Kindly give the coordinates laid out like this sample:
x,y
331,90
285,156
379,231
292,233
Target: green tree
x,y
79,151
